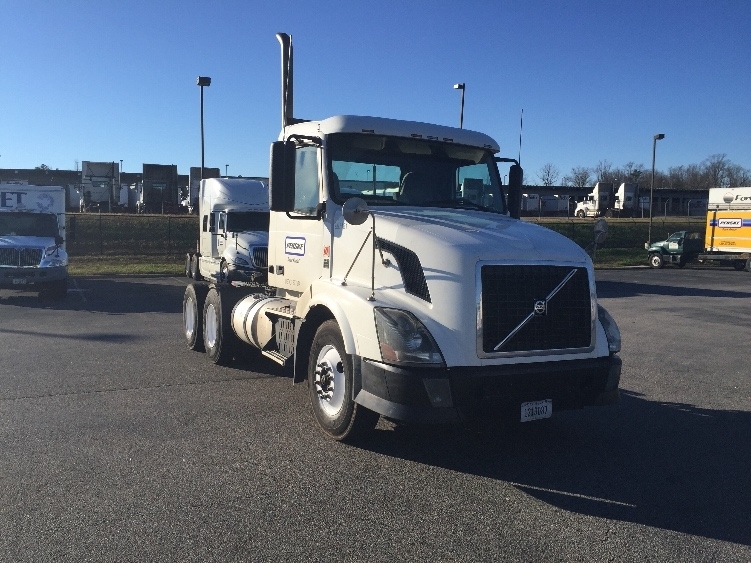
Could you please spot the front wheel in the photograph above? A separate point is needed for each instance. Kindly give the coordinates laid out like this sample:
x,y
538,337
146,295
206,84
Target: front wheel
x,y
581,214
330,385
655,260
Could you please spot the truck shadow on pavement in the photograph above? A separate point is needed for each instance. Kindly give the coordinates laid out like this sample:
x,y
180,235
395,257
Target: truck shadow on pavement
x,y
666,465
115,296
613,289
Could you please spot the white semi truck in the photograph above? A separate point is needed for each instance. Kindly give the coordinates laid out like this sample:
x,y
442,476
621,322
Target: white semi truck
x,y
32,239
416,294
597,203
233,236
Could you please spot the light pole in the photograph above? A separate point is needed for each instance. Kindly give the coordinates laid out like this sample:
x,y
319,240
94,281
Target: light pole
x,y
461,112
656,138
202,81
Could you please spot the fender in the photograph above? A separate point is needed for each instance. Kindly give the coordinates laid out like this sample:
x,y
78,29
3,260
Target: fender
x,y
353,312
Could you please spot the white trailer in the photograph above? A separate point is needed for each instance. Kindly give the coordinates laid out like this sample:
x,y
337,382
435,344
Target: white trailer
x,y
32,239
233,217
388,301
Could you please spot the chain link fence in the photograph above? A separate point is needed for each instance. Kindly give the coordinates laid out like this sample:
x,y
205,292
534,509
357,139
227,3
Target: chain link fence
x,y
136,235
173,235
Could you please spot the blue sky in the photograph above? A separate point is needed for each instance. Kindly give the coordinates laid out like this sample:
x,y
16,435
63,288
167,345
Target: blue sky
x,y
111,80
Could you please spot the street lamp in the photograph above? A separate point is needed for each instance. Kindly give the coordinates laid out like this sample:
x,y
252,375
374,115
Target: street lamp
x,y
202,81
461,112
656,138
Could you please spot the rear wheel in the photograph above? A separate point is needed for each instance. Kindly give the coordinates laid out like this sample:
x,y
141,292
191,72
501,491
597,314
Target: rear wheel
x,y
193,302
655,260
218,338
330,387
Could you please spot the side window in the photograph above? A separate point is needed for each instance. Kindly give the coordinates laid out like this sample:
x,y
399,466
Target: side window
x,y
221,222
306,180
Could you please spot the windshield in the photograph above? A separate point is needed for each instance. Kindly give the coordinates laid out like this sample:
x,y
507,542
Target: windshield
x,y
398,171
28,224
237,222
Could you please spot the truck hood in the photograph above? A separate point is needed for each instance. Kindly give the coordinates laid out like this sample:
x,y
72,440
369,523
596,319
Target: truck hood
x,y
248,239
16,241
434,234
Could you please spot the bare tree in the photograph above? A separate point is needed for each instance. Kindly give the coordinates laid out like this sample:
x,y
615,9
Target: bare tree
x,y
738,176
548,174
604,171
715,167
579,177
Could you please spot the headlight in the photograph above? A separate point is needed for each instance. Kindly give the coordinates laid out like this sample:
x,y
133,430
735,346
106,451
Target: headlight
x,y
240,261
611,329
403,339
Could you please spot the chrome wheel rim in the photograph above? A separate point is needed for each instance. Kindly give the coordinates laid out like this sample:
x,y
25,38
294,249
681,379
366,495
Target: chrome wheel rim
x,y
329,380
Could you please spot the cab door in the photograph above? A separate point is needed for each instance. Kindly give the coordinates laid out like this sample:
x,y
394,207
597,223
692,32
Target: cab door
x,y
295,242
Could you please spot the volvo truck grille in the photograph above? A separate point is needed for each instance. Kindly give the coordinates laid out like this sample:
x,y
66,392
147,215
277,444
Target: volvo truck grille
x,y
526,308
20,257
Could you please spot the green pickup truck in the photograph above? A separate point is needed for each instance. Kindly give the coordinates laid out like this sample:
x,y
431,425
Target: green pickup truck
x,y
678,248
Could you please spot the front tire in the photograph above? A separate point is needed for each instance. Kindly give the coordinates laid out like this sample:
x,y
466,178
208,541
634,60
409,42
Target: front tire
x,y
581,214
193,303
330,387
655,260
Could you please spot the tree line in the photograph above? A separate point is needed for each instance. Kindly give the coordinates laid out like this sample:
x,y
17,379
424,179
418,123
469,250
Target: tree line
x,y
714,171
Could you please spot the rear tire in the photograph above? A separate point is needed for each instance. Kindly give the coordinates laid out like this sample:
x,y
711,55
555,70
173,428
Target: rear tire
x,y
218,339
193,303
330,387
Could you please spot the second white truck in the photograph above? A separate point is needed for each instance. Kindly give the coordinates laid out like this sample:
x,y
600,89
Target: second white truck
x,y
233,235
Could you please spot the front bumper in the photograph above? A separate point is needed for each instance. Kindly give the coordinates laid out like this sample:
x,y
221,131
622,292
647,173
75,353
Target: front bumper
x,y
467,394
246,274
20,278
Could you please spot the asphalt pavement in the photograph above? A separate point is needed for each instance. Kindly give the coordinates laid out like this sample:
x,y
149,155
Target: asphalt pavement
x,y
120,444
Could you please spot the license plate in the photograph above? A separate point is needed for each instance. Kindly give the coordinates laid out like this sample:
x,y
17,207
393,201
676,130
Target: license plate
x,y
19,281
536,410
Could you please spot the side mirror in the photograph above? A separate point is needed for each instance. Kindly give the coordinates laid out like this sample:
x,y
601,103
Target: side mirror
x,y
282,176
59,240
515,179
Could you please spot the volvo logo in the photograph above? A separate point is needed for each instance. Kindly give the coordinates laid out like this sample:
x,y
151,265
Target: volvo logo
x,y
541,307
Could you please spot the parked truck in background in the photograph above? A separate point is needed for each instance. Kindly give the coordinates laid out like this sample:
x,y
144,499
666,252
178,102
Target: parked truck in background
x,y
32,239
679,248
597,203
416,294
727,237
233,216
728,230
626,202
